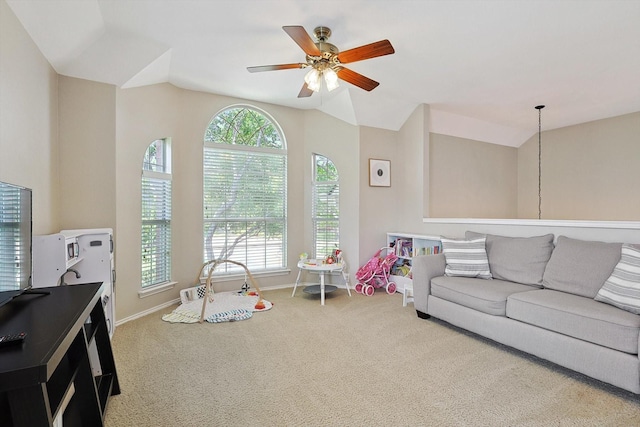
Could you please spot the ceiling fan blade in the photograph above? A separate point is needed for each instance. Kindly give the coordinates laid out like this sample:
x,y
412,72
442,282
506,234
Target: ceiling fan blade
x,y
305,92
275,67
373,50
357,79
300,36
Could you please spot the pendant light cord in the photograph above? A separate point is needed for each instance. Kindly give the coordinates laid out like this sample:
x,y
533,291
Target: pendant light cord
x,y
539,108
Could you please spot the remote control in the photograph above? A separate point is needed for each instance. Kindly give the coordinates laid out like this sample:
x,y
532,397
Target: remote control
x,y
12,339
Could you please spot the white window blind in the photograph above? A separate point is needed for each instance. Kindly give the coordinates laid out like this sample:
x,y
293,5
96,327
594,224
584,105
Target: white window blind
x,y
14,244
325,207
245,208
156,214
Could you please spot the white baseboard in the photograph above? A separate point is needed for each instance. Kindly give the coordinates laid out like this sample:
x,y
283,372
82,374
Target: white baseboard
x,y
148,311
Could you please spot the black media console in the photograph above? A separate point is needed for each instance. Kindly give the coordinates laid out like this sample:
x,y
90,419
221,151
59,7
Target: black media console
x,y
50,371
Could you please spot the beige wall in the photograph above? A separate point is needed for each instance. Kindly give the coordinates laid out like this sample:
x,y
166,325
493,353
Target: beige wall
x,y
28,121
587,171
590,171
87,154
414,153
472,179
379,206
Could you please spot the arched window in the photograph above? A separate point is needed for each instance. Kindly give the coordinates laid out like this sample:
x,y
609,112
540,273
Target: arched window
x,y
156,213
245,191
326,206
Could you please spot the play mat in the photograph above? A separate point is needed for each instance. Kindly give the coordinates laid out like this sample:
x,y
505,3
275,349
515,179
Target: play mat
x,y
200,304
225,307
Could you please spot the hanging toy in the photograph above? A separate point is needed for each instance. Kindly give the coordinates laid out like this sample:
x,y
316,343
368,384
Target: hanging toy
x,y
245,287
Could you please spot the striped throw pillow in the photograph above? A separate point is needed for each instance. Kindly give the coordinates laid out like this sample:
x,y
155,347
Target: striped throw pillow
x,y
466,258
622,288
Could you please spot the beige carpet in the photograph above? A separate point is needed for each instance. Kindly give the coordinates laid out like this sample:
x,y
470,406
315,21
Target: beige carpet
x,y
359,361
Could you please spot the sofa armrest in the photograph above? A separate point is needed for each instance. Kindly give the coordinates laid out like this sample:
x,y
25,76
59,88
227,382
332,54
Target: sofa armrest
x,y
425,268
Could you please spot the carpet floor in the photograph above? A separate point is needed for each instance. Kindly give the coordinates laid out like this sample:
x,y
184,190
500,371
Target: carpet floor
x,y
357,361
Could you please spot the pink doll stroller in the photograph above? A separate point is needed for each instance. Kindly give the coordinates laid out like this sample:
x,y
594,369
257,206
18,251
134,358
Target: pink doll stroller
x,y
375,273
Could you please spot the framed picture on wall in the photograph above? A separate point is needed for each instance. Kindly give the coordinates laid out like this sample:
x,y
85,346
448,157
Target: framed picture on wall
x,y
379,173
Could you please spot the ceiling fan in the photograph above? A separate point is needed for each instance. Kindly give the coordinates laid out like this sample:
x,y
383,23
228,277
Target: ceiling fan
x,y
325,60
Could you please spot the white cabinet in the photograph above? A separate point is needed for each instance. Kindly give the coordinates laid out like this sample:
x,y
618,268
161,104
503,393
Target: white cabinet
x,y
407,246
77,257
53,255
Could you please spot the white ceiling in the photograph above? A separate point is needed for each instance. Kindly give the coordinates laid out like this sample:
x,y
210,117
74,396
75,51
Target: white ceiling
x,y
482,66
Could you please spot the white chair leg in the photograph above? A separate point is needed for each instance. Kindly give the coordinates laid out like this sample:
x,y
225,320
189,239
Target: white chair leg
x,y
407,295
345,276
297,281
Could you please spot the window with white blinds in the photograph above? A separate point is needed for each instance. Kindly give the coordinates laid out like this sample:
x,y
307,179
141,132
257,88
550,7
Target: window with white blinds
x,y
156,214
15,237
325,206
245,192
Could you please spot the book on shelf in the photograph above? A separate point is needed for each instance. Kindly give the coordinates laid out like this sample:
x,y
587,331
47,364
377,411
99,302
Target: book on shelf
x,y
404,248
427,250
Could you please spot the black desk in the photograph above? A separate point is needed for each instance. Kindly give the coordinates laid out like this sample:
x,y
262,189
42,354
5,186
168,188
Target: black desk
x,y
37,376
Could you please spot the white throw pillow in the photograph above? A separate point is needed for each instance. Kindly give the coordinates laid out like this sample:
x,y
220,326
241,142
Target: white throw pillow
x,y
622,288
466,258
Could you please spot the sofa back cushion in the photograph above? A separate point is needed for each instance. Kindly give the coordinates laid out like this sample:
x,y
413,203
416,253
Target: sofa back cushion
x,y
580,267
622,288
466,258
517,259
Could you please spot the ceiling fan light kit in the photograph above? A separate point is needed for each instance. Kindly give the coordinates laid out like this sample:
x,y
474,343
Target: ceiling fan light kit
x,y
325,60
331,78
314,79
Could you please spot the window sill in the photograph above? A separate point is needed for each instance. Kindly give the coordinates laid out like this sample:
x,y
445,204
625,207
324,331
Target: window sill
x,y
156,289
240,276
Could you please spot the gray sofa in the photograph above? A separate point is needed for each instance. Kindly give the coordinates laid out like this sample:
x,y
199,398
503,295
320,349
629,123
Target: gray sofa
x,y
540,300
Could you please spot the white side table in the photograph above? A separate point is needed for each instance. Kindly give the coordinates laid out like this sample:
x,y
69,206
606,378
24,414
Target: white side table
x,y
321,269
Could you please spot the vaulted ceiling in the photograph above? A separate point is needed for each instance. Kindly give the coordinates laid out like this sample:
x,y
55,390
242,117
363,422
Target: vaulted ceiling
x,y
482,66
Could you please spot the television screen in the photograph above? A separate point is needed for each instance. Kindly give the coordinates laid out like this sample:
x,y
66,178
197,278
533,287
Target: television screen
x,y
15,240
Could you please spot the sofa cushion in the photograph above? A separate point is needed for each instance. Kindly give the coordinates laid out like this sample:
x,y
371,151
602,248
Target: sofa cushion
x,y
487,296
580,267
622,288
578,317
466,258
517,259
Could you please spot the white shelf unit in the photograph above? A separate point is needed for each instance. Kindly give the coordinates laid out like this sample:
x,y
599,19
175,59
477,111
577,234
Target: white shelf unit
x,y
407,246
90,252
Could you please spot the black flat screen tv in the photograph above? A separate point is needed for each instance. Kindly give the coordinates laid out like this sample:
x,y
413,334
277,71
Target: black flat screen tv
x,y
15,241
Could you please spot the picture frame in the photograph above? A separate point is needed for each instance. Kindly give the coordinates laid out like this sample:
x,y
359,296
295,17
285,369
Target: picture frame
x,y
379,173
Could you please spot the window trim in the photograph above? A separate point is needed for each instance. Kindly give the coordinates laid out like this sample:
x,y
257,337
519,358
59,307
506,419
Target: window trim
x,y
314,185
147,291
165,175
284,220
